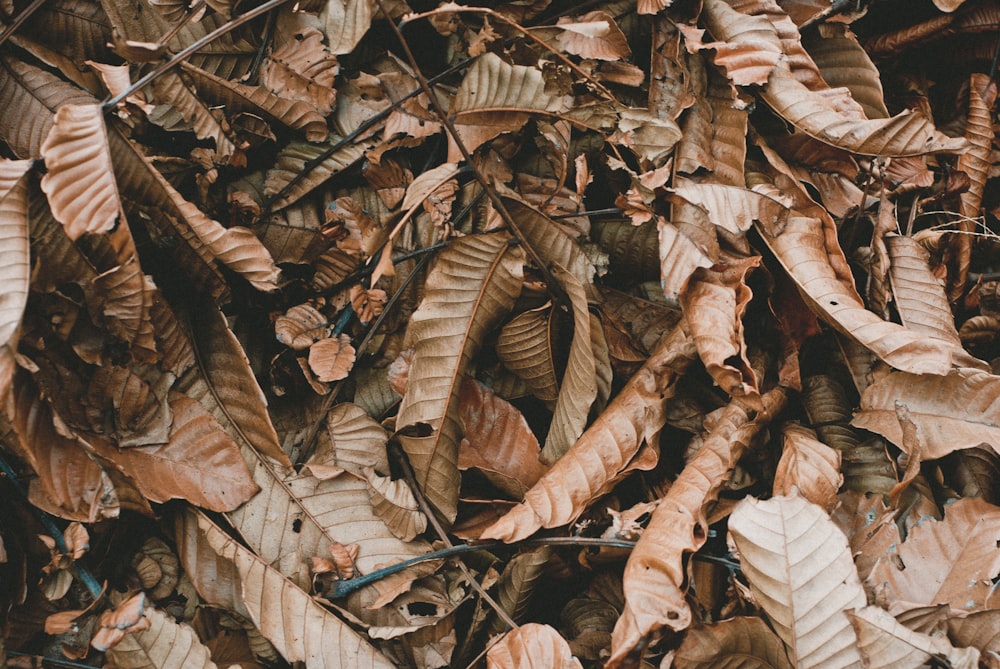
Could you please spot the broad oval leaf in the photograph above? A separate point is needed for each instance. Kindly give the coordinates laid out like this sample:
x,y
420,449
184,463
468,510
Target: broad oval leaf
x,y
166,644
525,348
950,561
885,643
810,466
960,410
531,646
15,274
784,543
80,181
472,287
606,450
301,629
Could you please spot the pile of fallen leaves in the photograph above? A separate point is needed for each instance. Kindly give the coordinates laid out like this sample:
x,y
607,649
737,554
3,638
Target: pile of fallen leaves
x,y
357,333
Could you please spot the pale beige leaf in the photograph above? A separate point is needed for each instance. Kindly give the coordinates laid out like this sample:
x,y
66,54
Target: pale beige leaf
x,y
516,586
549,240
737,643
472,287
920,299
497,440
735,209
843,62
258,100
679,258
593,35
960,410
810,466
950,561
606,449
427,183
301,629
578,389
497,97
802,574
394,503
293,157
886,644
79,180
750,48
332,359
655,576
346,22
979,630
809,251
301,326
166,644
979,131
531,646
15,274
525,348
200,462
714,303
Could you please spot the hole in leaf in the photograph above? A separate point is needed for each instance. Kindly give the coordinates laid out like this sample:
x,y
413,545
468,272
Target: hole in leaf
x,y
297,525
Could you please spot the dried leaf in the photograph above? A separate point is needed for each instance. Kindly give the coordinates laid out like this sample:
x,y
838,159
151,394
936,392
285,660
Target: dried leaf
x,y
472,287
301,629
79,180
289,165
166,644
525,348
810,466
332,359
951,412
606,450
949,561
886,644
785,542
740,643
14,258
531,646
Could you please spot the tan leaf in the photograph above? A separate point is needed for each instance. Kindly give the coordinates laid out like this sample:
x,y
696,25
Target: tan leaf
x,y
171,93
394,503
750,49
785,542
128,617
593,35
979,630
739,643
655,575
291,159
496,97
531,646
258,100
886,644
332,359
735,209
346,22
200,463
606,449
808,250
301,68
810,466
679,258
525,348
948,561
497,440
166,644
470,289
214,577
301,326
843,62
578,389
14,258
714,303
951,412
80,181
301,629
551,242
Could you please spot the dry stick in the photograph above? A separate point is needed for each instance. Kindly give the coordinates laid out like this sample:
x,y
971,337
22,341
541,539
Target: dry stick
x,y
20,19
397,455
184,53
559,295
186,19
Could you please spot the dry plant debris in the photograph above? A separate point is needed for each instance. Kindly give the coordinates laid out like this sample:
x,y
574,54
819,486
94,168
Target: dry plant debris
x,y
533,333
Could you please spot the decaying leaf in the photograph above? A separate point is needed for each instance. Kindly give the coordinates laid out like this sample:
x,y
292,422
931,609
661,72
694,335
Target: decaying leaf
x,y
531,646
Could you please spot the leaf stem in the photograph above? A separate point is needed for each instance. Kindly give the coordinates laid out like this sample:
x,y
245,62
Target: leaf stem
x,y
20,19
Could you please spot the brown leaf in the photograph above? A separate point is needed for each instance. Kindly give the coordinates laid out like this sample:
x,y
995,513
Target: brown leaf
x,y
654,575
525,348
593,35
14,258
471,288
606,450
497,441
531,646
948,561
810,466
332,359
739,642
886,644
79,180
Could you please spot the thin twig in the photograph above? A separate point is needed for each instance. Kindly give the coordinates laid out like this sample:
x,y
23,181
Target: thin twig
x,y
559,295
184,53
186,19
20,19
81,573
